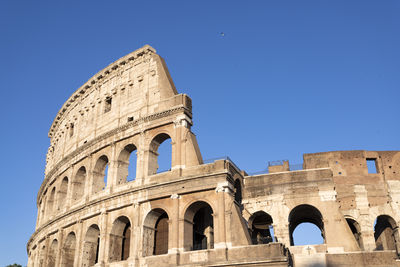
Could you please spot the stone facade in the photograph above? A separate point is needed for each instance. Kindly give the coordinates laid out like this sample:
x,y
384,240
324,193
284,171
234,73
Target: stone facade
x,y
93,212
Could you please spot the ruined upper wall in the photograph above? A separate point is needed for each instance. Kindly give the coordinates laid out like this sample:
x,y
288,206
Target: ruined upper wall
x,y
352,176
131,88
354,163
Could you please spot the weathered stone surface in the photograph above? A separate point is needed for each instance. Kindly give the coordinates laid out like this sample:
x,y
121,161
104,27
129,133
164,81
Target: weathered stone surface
x,y
92,211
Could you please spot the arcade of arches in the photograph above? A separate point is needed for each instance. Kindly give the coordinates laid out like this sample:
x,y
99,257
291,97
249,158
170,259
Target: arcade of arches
x,y
112,197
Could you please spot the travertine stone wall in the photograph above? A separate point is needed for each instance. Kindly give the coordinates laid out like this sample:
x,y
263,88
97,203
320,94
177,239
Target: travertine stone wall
x,y
93,212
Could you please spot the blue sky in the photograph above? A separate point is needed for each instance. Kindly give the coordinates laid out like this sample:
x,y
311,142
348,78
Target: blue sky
x,y
287,78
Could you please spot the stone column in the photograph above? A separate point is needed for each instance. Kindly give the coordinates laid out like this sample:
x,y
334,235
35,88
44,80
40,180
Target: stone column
x,y
104,238
112,169
135,234
367,229
281,233
45,252
176,145
141,160
59,247
174,235
220,238
89,179
79,244
181,126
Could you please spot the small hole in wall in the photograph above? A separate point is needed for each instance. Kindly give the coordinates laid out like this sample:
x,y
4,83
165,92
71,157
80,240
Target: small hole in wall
x,y
85,142
390,167
130,118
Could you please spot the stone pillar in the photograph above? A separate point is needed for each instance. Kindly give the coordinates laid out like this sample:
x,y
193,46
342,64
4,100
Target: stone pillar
x,y
174,235
104,238
176,145
36,256
79,244
68,197
367,235
141,160
89,179
59,246
43,258
112,169
181,126
135,234
220,238
281,233
367,229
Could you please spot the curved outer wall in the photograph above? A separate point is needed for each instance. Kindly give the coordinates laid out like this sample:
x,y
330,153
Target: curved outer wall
x,y
90,213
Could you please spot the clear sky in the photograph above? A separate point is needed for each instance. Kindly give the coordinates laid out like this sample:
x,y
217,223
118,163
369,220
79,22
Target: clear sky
x,y
285,78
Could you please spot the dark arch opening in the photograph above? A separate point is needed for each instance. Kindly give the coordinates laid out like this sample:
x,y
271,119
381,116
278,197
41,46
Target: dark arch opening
x,y
386,233
100,173
91,245
311,220
62,193
120,239
356,231
156,233
52,255
238,192
78,184
51,202
68,251
261,228
199,226
127,161
160,154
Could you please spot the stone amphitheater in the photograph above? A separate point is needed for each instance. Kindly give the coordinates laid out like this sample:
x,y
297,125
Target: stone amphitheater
x,y
93,212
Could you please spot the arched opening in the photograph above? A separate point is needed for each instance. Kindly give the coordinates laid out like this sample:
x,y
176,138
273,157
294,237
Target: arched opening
x,y
78,184
127,161
51,202
356,231
199,227
261,229
62,193
91,244
155,233
120,239
68,251
100,173
160,154
386,233
310,226
238,192
52,255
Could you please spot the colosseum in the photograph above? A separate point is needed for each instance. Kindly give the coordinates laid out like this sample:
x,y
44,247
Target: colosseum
x,y
94,211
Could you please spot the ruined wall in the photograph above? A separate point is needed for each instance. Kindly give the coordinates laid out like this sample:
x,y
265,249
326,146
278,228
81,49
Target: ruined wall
x,y
92,210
